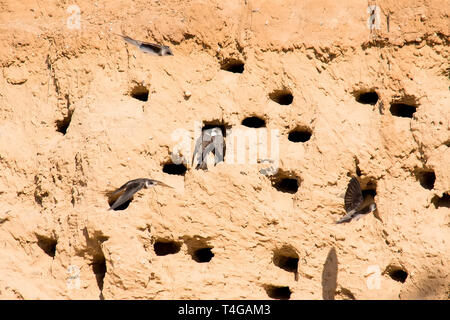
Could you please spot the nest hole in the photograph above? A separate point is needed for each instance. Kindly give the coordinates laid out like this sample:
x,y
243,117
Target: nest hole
x,y
368,187
199,249
397,273
283,97
202,255
426,178
402,110
254,122
299,135
285,182
176,169
63,125
277,292
163,248
140,93
286,258
48,245
369,97
233,65
216,124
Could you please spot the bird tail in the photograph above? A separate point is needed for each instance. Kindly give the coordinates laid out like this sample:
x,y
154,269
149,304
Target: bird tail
x,y
129,40
344,219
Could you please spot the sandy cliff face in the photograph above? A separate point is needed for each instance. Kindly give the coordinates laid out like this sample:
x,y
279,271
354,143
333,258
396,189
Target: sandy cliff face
x,y
81,111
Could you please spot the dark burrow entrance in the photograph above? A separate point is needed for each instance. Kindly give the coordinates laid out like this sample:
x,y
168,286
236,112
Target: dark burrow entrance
x,y
202,255
216,124
199,249
396,273
300,135
285,182
165,247
441,202
99,269
277,292
48,245
426,178
402,110
63,125
139,92
232,65
368,186
368,97
177,169
286,258
283,97
254,122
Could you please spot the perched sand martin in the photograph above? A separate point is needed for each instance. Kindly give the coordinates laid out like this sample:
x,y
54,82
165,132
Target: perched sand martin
x,y
211,140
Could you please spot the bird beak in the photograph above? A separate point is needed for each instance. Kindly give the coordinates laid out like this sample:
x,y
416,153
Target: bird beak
x,y
164,185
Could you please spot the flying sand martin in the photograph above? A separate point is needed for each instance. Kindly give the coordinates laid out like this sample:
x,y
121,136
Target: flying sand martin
x,y
126,192
355,204
147,47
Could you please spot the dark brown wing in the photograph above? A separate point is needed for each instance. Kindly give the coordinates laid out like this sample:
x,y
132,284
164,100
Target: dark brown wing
x,y
353,196
150,48
131,189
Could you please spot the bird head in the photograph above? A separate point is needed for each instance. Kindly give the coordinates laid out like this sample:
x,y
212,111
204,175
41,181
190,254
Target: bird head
x,y
151,183
216,132
166,51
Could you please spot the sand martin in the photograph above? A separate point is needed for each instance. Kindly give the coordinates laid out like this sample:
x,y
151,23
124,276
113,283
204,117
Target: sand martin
x,y
147,47
355,204
211,140
126,192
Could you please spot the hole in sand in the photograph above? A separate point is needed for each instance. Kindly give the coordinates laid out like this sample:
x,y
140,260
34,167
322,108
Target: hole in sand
x,y
232,65
199,249
202,255
254,122
139,92
369,97
177,169
48,245
63,125
216,124
396,273
285,182
368,187
163,248
300,135
286,258
402,110
283,97
426,178
277,292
